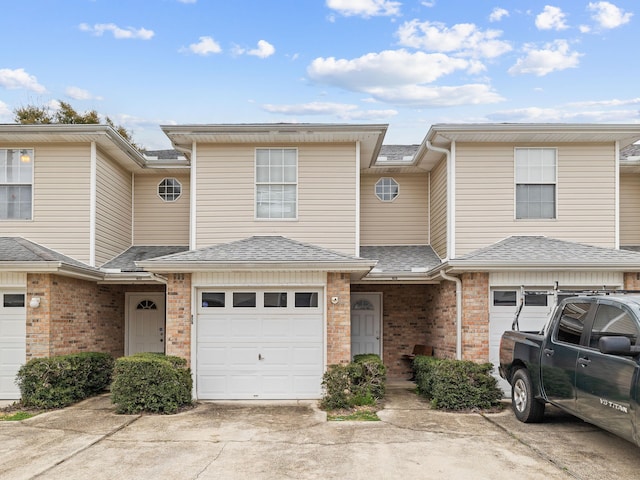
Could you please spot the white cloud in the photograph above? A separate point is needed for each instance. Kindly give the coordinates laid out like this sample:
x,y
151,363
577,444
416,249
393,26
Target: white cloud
x,y
118,33
564,115
5,113
464,38
78,93
340,110
365,8
606,103
584,28
428,4
498,14
552,57
187,1
551,18
206,46
608,15
445,96
264,50
387,68
18,78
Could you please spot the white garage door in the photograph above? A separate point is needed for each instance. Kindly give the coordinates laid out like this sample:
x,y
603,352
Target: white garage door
x,y
259,344
12,340
503,308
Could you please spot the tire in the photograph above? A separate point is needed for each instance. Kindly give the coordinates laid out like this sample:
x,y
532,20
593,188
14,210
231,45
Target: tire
x,y
526,407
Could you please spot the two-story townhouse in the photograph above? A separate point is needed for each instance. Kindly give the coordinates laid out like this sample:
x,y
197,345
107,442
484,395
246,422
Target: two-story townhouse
x,y
301,245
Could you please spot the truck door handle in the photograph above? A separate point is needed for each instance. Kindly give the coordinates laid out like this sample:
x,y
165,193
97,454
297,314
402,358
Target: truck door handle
x,y
584,361
549,352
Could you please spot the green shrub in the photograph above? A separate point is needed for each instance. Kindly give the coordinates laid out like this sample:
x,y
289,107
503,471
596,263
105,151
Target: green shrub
x,y
361,382
149,382
461,385
423,367
59,381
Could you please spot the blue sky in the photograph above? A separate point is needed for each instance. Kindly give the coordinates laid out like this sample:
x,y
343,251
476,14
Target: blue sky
x,y
407,63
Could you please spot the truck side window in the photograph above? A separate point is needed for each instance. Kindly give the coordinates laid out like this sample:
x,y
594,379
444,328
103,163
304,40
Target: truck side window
x,y
571,322
612,321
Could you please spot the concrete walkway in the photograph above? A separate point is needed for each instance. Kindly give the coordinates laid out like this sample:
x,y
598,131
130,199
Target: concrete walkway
x,y
291,440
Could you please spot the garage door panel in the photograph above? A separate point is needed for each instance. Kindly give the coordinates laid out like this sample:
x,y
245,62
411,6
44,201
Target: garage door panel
x,y
267,353
13,331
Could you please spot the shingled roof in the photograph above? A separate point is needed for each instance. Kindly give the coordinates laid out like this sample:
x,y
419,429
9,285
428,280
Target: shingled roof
x,y
402,259
126,261
531,252
257,251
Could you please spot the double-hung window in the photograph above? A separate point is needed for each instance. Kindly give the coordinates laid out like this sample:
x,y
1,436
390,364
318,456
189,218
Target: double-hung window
x,y
536,183
16,184
276,183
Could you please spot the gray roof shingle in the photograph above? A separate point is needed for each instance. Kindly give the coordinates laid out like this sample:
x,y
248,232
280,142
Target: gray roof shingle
x,y
18,249
520,250
258,249
632,150
125,262
401,259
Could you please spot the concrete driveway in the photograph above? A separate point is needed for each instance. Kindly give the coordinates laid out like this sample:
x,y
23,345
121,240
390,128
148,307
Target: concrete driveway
x,y
275,441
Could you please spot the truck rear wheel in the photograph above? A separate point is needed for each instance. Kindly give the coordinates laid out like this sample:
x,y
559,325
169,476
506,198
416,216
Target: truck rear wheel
x,y
526,407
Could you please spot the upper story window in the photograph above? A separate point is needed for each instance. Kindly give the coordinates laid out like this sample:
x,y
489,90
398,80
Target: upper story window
x,y
16,184
536,183
387,189
276,183
169,189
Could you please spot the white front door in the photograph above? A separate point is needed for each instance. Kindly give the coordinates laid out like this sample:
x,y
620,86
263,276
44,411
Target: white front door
x,y
13,331
145,322
366,325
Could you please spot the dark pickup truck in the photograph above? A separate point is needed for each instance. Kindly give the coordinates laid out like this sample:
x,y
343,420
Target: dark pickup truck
x,y
585,361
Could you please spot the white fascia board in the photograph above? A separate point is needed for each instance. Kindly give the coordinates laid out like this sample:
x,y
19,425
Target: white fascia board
x,y
186,267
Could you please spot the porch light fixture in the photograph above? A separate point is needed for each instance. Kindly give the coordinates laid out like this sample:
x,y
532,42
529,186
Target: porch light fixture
x,y
24,156
34,302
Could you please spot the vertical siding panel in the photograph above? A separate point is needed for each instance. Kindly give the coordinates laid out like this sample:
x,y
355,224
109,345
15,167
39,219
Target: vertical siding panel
x,y
158,222
113,209
439,208
485,195
403,221
61,199
629,208
13,279
326,196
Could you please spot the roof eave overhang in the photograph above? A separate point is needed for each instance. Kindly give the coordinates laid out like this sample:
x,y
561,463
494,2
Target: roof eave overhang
x,y
399,277
453,267
140,278
57,268
190,267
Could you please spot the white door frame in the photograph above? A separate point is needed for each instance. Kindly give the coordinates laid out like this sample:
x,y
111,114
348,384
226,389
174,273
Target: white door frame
x,y
380,322
128,298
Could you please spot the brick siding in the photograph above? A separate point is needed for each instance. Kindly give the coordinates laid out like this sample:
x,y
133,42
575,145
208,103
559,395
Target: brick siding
x,y
178,328
338,318
475,317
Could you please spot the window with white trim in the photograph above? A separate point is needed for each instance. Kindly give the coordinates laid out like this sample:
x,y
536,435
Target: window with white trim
x,y
276,183
535,183
16,184
169,189
387,189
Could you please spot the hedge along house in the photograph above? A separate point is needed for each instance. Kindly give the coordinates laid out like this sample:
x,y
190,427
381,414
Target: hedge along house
x,y
263,253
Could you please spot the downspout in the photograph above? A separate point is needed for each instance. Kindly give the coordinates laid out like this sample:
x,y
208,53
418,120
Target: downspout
x,y
192,191
93,202
617,196
451,186
458,312
357,252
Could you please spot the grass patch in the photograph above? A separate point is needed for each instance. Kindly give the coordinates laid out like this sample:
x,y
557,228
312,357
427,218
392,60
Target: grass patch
x,y
16,417
363,413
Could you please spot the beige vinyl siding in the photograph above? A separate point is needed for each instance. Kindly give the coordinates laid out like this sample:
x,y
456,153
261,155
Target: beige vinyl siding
x,y
113,209
629,208
485,195
326,196
157,222
61,199
404,221
438,204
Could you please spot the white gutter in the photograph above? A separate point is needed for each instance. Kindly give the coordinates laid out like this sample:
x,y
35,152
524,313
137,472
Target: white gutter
x,y
93,181
357,242
617,197
458,312
451,198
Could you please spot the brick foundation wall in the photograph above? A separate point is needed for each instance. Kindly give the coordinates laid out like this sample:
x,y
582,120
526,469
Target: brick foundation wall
x,y
338,318
74,316
178,328
441,332
475,317
632,281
